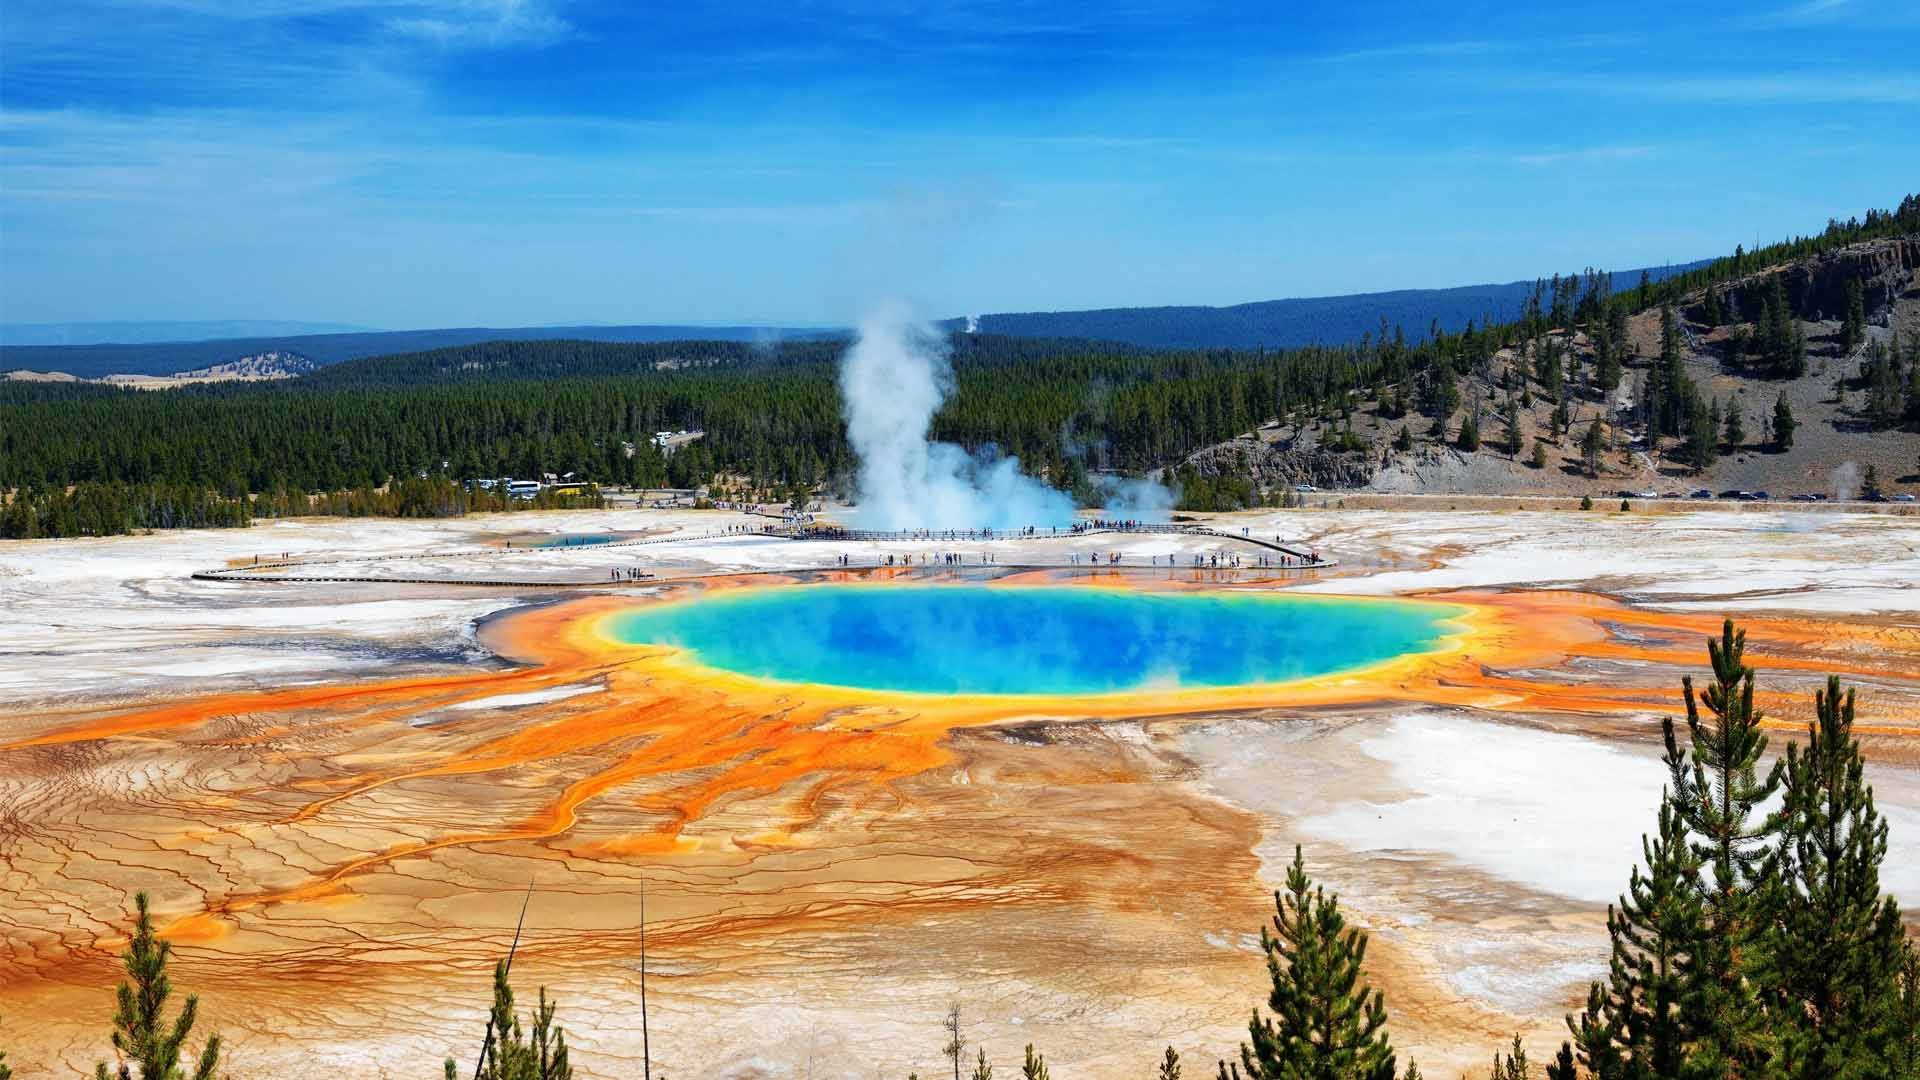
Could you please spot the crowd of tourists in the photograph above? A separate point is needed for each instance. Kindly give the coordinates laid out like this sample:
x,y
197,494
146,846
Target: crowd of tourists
x,y
1117,525
925,558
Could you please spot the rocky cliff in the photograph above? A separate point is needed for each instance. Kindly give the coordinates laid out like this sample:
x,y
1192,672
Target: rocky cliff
x,y
1274,465
1817,286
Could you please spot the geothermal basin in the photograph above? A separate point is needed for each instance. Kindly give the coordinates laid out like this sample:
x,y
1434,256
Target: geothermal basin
x,y
857,784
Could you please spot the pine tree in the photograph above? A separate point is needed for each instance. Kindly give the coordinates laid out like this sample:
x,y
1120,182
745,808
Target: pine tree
x,y
1783,423
1443,393
1702,440
1718,792
1841,944
1881,371
511,1052
1562,1067
549,1044
1634,1024
1736,426
1035,1067
1653,406
1514,1067
1470,432
1590,446
1548,368
1783,343
1903,1057
1853,329
1326,1023
982,1070
1169,1066
954,1046
1870,487
1669,338
1912,411
141,1036
1609,368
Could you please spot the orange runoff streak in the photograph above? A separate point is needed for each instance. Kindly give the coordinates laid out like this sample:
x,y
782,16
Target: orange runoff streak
x,y
722,735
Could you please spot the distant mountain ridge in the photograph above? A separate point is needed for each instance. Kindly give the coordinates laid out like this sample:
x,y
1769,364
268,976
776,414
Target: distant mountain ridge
x,y
1267,323
149,333
1326,320
168,358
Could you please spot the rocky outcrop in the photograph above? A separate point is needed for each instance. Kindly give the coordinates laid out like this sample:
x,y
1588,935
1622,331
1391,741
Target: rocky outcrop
x,y
1817,287
1274,465
266,365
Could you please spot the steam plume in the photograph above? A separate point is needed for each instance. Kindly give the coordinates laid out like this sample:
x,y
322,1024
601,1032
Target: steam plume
x,y
1138,500
892,381
1845,481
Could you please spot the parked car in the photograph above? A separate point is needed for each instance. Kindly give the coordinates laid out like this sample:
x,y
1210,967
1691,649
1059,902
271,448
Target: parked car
x,y
1806,497
1903,498
1761,496
1702,493
1305,489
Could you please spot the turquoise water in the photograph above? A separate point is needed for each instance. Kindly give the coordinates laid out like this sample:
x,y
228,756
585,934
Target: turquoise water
x,y
953,639
576,540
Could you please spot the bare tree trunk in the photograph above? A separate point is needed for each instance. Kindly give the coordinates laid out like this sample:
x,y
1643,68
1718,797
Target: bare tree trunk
x,y
646,1054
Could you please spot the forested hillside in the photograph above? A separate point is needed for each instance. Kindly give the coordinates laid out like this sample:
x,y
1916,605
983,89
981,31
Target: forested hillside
x,y
771,415
1798,376
524,408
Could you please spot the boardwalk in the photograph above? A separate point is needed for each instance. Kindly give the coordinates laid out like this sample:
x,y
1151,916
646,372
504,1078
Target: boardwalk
x,y
979,542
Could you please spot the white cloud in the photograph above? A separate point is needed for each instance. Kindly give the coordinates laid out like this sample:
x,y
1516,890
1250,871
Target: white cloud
x,y
1477,48
1842,86
1582,153
443,23
1809,11
484,23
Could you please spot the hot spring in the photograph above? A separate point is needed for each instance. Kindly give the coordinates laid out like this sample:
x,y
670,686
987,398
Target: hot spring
x,y
575,540
980,639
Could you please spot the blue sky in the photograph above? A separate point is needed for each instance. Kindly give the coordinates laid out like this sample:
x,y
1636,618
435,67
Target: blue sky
x,y
406,163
